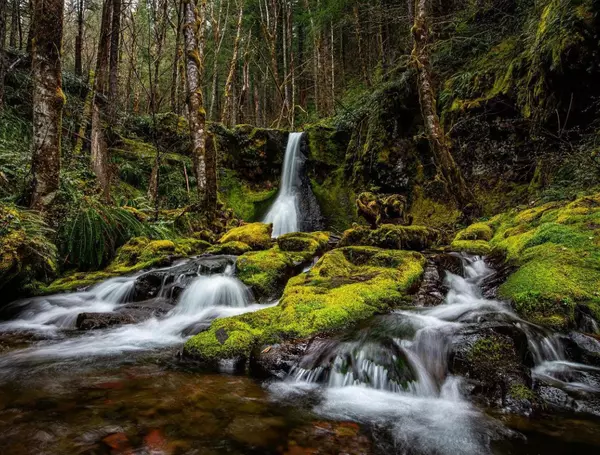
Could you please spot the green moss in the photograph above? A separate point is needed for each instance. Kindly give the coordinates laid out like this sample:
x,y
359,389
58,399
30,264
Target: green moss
x,y
233,248
26,253
479,247
477,231
76,281
337,201
265,271
345,286
556,247
521,392
310,243
437,215
257,235
489,349
392,236
247,201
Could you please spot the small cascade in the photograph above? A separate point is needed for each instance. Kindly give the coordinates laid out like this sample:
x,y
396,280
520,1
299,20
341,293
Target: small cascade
x,y
205,298
59,312
284,211
396,369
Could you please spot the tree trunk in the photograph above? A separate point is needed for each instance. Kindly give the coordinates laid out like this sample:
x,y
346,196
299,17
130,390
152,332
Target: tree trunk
x,y
99,146
79,38
14,24
48,101
438,141
204,167
113,83
359,43
226,115
3,56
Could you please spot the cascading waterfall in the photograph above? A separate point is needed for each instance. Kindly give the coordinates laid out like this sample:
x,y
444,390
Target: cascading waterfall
x,y
397,371
284,211
205,299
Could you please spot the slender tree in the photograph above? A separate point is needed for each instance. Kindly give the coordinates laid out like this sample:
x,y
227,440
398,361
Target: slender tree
x,y
79,38
204,167
48,100
438,141
113,78
226,116
3,56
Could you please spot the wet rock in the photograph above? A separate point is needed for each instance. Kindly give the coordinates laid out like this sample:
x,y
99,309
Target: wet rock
x,y
94,321
312,219
117,443
583,348
433,288
493,359
97,434
277,360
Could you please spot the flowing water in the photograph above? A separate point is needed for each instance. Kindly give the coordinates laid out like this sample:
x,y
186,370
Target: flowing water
x,y
284,211
386,387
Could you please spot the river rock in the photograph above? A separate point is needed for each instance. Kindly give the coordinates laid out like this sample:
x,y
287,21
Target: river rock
x,y
93,321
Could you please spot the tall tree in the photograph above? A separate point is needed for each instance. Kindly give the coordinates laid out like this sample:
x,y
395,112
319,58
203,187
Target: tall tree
x,y
226,116
48,100
436,136
194,29
99,146
113,79
79,38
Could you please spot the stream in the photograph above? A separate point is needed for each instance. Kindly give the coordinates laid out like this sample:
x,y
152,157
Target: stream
x,y
395,384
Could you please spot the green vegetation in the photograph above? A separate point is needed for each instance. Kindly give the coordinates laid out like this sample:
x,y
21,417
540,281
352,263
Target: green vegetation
x,y
393,237
557,251
346,286
256,235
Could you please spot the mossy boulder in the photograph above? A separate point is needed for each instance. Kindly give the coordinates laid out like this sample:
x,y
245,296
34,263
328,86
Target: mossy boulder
x,y
311,243
27,256
232,248
556,247
346,285
478,247
256,235
393,237
138,254
477,231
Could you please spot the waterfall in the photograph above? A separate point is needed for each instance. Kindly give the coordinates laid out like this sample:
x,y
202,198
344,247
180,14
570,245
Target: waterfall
x,y
284,211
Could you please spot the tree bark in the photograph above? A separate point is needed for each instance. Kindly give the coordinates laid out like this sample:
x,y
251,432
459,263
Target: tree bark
x,y
99,147
113,79
226,115
436,136
48,101
79,38
204,166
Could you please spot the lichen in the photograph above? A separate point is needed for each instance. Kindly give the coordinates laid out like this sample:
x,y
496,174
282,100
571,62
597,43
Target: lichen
x,y
346,285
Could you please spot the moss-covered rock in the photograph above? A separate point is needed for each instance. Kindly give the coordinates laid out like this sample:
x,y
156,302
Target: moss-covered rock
x,y
265,271
232,248
27,256
556,247
393,237
477,231
138,254
311,243
478,247
346,285
256,235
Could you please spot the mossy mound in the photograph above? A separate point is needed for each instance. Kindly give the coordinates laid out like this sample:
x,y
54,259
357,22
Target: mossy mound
x,y
27,256
557,249
256,235
267,272
313,242
138,254
392,236
346,285
477,231
232,248
478,247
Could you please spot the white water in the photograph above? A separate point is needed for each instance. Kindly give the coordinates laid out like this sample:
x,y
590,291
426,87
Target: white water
x,y
284,211
207,298
53,313
426,412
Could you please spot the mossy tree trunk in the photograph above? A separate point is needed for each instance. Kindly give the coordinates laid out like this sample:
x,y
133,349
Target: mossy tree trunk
x,y
436,136
48,100
98,146
204,168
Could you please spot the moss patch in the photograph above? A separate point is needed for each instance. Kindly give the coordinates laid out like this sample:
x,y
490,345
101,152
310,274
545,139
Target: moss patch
x,y
478,247
557,249
233,248
256,235
346,286
477,231
393,237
